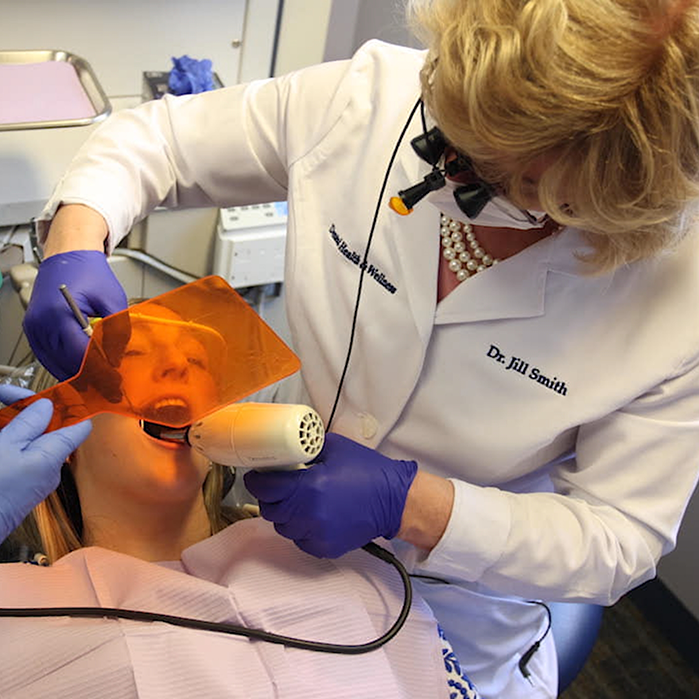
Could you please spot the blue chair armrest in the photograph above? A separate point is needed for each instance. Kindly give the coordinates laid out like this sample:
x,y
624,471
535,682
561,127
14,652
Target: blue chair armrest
x,y
574,626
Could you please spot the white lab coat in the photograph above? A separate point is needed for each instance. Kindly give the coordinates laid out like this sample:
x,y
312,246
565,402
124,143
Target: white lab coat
x,y
565,407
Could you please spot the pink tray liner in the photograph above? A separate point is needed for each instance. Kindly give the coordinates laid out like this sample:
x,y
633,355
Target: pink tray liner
x,y
48,91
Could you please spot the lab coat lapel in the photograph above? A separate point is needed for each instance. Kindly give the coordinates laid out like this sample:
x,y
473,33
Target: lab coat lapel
x,y
516,287
417,245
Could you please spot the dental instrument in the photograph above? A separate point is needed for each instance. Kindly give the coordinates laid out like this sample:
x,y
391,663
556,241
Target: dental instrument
x,y
84,324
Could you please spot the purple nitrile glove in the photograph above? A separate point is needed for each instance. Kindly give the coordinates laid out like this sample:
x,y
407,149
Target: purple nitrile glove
x,y
349,496
190,76
30,467
51,328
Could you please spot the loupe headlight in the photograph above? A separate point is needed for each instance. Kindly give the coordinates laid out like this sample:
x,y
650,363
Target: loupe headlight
x,y
429,146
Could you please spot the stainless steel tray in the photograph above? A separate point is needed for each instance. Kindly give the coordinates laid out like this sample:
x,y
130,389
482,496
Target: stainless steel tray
x,y
86,76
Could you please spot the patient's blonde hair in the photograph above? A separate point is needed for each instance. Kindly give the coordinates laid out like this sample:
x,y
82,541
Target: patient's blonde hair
x,y
607,89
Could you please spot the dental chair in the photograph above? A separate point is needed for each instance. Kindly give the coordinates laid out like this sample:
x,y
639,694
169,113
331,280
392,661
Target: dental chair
x,y
574,626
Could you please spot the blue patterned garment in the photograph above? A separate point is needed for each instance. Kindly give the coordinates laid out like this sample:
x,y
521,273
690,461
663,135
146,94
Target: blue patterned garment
x,y
460,686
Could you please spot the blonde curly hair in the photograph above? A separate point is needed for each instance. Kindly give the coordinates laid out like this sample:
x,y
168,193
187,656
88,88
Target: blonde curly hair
x,y
607,91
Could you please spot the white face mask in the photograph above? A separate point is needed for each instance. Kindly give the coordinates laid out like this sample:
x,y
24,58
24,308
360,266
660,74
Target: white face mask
x,y
491,216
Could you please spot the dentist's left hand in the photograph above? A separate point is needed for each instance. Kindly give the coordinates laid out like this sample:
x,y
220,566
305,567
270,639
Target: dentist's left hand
x,y
30,461
349,496
52,331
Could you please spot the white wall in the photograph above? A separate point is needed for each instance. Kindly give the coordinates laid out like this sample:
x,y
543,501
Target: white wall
x,y
385,20
259,38
327,30
303,33
352,22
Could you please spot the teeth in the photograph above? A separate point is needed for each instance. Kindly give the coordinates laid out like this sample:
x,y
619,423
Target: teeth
x,y
171,410
164,402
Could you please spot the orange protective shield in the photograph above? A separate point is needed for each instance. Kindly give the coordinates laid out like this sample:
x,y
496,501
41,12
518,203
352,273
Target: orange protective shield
x,y
172,360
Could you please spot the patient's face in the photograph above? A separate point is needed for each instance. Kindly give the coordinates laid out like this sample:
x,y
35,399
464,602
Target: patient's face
x,y
166,370
166,376
120,458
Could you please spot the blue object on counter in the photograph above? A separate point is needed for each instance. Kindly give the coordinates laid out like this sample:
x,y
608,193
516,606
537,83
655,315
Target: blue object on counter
x,y
190,76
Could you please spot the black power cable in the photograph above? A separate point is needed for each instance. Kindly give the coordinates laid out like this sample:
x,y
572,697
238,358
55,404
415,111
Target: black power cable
x,y
363,266
233,629
524,660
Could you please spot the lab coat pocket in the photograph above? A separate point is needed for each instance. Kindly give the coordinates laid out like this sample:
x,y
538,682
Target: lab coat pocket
x,y
489,635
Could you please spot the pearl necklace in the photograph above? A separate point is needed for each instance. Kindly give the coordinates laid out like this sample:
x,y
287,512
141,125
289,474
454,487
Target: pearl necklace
x,y
461,247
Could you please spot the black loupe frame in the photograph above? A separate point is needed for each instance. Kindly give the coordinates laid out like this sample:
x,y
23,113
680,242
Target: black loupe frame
x,y
471,198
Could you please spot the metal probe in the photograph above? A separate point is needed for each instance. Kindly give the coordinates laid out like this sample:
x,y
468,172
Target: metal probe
x,y
87,328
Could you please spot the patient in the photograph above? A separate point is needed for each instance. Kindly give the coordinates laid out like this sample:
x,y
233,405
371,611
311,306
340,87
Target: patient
x,y
137,523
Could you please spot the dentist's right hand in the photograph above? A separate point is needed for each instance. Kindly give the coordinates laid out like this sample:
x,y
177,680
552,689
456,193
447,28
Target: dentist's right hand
x,y
30,461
